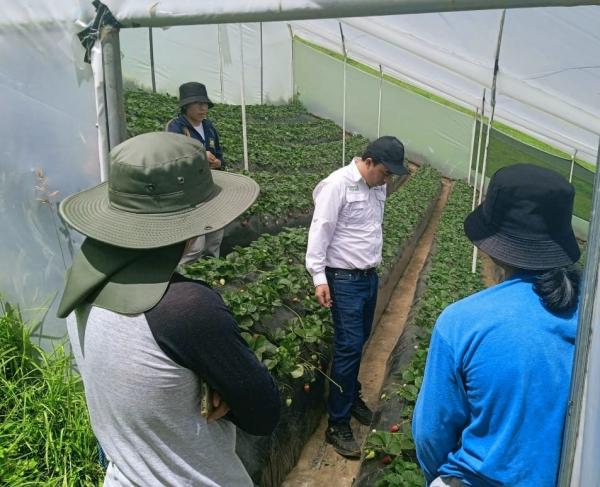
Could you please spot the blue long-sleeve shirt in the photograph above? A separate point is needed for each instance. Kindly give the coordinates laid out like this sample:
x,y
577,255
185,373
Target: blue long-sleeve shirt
x,y
492,405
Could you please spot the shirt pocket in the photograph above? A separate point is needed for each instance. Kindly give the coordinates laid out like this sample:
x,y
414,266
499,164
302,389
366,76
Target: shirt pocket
x,y
356,209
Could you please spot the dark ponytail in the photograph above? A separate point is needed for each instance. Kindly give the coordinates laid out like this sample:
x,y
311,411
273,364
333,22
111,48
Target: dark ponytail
x,y
558,288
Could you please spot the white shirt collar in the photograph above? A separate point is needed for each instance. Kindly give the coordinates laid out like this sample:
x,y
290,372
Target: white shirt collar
x,y
354,172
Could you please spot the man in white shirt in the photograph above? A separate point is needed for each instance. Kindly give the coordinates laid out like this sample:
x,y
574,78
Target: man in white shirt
x,y
344,249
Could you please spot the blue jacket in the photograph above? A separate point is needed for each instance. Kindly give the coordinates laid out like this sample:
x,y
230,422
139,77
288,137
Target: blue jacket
x,y
492,405
181,125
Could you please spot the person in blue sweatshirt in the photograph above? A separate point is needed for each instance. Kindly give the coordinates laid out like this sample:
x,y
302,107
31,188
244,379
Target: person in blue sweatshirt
x,y
491,409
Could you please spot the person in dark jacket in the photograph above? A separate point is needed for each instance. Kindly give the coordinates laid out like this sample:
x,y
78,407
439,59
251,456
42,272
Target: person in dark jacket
x,y
192,122
194,105
492,405
150,344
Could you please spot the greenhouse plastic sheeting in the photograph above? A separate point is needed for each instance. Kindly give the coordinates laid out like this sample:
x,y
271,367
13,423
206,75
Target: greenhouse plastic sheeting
x,y
203,52
431,132
505,151
49,150
565,137
545,54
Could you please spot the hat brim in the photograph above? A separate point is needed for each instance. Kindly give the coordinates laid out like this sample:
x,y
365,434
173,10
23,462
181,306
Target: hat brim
x,y
397,169
90,213
519,252
127,281
193,99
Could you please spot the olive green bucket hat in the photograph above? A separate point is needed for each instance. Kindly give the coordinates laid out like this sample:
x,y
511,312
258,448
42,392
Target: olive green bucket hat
x,y
160,191
160,194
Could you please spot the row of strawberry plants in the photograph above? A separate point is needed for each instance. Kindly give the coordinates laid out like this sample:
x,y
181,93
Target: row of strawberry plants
x,y
448,280
258,280
289,150
416,194
273,278
283,136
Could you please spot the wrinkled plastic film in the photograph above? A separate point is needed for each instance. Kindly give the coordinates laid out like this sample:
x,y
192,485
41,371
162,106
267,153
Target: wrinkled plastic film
x,y
50,150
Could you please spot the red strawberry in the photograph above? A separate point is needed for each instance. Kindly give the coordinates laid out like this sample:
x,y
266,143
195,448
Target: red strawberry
x,y
307,388
386,460
394,428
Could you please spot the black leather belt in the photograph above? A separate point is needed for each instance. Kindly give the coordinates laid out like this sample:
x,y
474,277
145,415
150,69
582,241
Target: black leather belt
x,y
354,272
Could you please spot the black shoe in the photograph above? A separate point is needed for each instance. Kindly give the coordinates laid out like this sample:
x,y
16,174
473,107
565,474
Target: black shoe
x,y
361,412
341,437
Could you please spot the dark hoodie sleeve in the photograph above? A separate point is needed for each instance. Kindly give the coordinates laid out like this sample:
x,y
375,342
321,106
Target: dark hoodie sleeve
x,y
174,126
194,328
217,150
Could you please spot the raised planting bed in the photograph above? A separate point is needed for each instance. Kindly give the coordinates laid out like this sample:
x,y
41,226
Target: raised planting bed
x,y
271,295
44,426
388,454
289,152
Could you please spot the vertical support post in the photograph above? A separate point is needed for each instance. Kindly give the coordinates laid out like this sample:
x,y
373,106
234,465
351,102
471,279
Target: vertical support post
x,y
490,121
100,95
478,150
572,165
243,96
152,72
379,104
472,144
343,96
113,86
262,68
576,428
485,156
292,74
221,63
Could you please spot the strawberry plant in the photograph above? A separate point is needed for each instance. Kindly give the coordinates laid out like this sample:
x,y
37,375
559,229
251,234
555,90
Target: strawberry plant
x,y
289,149
268,279
449,279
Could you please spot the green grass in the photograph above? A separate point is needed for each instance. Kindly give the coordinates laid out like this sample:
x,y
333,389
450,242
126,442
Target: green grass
x,y
289,149
45,435
506,150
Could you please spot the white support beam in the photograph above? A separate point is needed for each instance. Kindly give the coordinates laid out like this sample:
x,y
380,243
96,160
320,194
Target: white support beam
x,y
170,13
579,457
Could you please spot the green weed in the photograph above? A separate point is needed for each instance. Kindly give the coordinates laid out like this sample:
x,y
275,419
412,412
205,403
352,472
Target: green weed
x,y
45,435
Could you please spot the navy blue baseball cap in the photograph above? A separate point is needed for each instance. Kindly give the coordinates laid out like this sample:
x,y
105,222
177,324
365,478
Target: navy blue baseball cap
x,y
390,152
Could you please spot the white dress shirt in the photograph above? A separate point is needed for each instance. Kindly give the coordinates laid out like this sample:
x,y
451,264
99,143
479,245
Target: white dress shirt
x,y
345,232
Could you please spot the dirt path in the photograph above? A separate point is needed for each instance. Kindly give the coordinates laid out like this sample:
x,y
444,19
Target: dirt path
x,y
319,465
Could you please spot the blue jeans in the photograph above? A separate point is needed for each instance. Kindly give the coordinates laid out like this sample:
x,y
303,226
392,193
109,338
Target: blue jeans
x,y
354,295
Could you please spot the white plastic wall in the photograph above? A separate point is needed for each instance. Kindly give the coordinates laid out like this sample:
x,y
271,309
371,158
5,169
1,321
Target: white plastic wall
x,y
203,52
49,150
431,132
549,62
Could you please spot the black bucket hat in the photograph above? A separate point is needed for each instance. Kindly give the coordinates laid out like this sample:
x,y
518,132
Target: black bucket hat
x,y
525,220
193,92
390,152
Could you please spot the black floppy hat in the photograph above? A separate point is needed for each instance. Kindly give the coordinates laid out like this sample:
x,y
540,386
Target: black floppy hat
x,y
193,92
390,152
525,220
